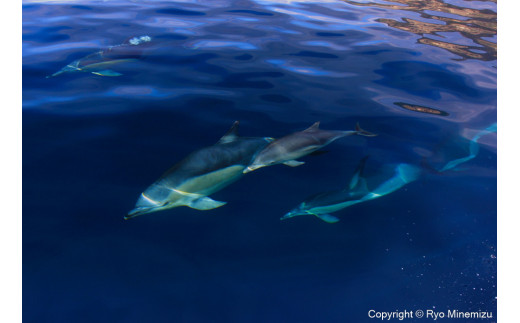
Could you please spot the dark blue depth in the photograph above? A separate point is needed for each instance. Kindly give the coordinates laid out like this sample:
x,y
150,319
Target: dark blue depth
x,y
92,144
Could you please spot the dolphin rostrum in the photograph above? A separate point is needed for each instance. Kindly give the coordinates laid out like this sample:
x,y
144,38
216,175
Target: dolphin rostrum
x,y
322,204
202,173
99,62
287,149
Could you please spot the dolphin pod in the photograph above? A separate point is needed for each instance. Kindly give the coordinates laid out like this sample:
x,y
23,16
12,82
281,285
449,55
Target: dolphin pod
x,y
322,204
210,169
100,62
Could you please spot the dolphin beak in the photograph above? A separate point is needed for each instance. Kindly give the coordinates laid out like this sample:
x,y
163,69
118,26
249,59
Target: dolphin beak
x,y
55,74
251,168
138,211
288,215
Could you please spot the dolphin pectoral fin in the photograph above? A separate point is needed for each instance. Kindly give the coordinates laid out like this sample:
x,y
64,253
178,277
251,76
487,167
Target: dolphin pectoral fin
x,y
293,163
107,73
327,218
205,203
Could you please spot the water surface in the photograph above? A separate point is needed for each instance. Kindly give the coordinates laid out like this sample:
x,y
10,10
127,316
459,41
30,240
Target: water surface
x,y
421,74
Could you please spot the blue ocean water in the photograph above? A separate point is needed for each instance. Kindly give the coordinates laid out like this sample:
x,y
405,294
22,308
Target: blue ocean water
x,y
421,75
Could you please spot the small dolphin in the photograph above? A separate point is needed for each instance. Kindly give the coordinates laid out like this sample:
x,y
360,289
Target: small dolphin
x,y
202,173
99,62
321,205
287,149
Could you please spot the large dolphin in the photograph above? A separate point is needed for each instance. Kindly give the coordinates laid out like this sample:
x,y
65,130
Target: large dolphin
x,y
322,204
99,63
202,173
287,149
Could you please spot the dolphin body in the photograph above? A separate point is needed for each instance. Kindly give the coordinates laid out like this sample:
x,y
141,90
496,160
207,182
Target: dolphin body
x,y
287,149
322,204
202,173
99,63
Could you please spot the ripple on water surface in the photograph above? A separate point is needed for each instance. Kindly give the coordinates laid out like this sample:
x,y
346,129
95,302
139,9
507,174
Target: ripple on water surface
x,y
420,74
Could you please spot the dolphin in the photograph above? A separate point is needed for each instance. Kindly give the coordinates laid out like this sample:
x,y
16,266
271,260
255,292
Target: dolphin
x,y
322,204
202,173
287,149
474,148
99,63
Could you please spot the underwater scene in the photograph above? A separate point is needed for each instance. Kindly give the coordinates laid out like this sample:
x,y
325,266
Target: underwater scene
x,y
259,161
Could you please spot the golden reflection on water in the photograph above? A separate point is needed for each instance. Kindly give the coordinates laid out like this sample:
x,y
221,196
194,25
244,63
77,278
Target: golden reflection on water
x,y
420,108
479,23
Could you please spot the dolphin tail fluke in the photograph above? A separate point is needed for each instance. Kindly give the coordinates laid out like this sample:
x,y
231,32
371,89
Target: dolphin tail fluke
x,y
362,132
205,203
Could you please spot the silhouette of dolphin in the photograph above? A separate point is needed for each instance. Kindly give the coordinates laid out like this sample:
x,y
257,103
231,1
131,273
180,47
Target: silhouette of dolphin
x,y
287,149
322,204
99,62
474,148
202,173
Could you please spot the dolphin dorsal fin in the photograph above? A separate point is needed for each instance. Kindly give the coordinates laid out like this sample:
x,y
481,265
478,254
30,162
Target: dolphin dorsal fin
x,y
231,135
357,181
315,126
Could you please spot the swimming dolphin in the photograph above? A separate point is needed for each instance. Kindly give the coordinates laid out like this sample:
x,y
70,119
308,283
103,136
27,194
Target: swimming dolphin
x,y
287,149
474,148
99,62
321,205
202,173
